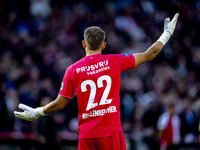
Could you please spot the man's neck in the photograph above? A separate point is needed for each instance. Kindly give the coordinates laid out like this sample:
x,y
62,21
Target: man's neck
x,y
91,52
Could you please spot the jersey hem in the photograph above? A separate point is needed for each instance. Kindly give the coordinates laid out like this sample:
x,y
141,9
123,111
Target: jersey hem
x,y
65,96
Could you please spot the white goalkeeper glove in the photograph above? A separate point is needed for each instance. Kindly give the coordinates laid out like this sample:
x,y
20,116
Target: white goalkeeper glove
x,y
169,28
29,113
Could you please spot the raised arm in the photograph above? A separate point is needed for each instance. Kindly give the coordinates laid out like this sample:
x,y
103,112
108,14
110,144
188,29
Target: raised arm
x,y
30,114
154,49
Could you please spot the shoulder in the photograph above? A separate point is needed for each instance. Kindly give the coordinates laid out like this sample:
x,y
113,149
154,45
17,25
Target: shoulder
x,y
164,116
124,57
69,68
162,121
108,55
113,56
69,72
77,64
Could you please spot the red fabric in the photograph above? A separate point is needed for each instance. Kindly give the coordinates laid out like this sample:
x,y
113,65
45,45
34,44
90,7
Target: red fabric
x,y
167,134
96,81
114,142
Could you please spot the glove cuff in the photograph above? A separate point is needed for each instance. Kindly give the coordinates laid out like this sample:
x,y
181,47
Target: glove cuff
x,y
39,112
164,37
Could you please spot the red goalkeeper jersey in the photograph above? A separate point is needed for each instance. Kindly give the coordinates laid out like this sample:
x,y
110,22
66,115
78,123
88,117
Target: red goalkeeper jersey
x,y
96,81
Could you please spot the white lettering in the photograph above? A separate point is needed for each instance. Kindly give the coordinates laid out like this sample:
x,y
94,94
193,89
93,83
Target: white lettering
x,y
78,69
106,62
94,113
88,68
82,69
100,64
101,112
108,110
92,67
96,65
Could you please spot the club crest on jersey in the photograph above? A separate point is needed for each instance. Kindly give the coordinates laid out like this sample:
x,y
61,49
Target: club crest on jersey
x,y
126,55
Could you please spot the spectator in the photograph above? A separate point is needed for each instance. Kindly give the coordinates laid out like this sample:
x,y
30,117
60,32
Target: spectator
x,y
169,126
189,123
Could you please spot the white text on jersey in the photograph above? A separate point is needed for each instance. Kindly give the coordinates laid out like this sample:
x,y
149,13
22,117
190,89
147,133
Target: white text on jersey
x,y
95,113
92,67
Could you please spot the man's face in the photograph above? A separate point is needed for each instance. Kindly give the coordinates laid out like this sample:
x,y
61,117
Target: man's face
x,y
171,109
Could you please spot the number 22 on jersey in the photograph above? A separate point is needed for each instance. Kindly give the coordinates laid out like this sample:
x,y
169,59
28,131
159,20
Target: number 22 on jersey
x,y
92,85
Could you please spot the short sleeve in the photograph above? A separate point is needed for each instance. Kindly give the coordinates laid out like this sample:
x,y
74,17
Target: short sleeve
x,y
67,88
125,61
163,121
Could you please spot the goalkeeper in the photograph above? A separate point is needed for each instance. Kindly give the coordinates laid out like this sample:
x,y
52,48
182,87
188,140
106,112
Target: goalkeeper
x,y
96,81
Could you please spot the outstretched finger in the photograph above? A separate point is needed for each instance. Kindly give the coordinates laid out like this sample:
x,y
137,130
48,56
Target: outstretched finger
x,y
24,107
19,114
175,17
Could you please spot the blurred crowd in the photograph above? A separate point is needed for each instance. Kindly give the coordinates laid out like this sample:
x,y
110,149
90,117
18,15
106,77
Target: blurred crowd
x,y
39,39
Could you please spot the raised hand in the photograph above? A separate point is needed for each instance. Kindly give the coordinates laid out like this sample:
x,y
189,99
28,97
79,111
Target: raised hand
x,y
169,28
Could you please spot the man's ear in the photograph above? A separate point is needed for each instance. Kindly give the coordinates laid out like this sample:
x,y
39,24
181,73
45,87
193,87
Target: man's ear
x,y
103,45
84,44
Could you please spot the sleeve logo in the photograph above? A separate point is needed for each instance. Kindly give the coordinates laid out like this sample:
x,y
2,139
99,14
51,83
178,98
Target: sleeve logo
x,y
126,55
61,87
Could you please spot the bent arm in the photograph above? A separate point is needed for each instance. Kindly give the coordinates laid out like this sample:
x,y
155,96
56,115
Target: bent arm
x,y
58,104
30,114
149,54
